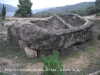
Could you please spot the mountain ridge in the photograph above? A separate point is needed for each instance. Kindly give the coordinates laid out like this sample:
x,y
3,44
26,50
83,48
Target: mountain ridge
x,y
9,8
82,5
78,6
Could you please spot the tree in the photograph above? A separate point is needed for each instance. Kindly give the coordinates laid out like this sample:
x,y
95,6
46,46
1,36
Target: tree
x,y
97,2
92,10
24,8
0,15
52,65
3,11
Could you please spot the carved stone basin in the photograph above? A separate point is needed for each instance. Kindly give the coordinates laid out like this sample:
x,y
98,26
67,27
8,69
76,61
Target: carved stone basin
x,y
57,32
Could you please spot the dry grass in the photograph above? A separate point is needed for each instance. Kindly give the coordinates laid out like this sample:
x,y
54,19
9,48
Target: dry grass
x,y
86,58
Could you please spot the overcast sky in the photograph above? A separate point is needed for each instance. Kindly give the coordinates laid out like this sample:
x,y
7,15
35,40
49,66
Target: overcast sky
x,y
38,4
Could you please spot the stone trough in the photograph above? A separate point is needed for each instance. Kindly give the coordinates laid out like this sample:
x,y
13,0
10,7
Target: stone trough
x,y
54,33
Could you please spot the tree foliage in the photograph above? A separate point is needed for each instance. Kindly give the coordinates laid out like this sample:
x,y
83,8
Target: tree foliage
x,y
0,15
97,2
52,65
3,11
24,8
79,12
92,10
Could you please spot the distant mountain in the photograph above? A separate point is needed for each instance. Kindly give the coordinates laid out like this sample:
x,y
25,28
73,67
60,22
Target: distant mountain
x,y
9,8
39,10
78,6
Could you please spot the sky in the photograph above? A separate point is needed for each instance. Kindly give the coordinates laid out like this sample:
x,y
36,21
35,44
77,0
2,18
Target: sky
x,y
39,4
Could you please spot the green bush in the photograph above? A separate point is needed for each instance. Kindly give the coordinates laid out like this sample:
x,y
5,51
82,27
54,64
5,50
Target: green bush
x,y
4,73
4,11
98,14
24,8
92,10
0,15
16,15
52,65
79,12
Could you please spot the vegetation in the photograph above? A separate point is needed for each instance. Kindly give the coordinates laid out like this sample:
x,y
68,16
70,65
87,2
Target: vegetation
x,y
79,12
10,50
0,15
3,11
76,8
90,48
52,65
92,10
97,3
89,9
43,14
98,14
24,8
4,74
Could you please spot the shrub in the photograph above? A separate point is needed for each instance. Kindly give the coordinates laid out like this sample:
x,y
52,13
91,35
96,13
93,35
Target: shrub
x,y
52,65
16,15
92,10
3,11
24,8
98,14
0,15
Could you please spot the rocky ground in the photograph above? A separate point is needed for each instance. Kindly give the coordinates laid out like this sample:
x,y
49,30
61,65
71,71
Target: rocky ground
x,y
85,56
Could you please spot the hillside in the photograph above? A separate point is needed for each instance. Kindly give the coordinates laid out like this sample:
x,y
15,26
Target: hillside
x,y
78,6
81,5
9,8
40,10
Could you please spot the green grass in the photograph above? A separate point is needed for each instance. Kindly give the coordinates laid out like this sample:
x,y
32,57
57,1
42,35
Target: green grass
x,y
88,46
9,50
93,67
71,52
98,14
88,49
4,73
3,28
1,34
22,66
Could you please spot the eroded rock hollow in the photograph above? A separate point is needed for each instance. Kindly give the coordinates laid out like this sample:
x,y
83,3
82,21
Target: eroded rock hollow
x,y
54,33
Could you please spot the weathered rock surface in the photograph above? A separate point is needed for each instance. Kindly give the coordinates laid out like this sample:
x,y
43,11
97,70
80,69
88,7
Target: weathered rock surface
x,y
55,33
30,52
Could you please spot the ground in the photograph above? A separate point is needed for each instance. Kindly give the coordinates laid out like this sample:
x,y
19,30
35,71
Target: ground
x,y
86,59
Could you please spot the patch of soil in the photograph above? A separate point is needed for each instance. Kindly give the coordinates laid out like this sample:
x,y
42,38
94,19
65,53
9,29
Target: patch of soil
x,y
35,67
6,63
92,17
81,62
